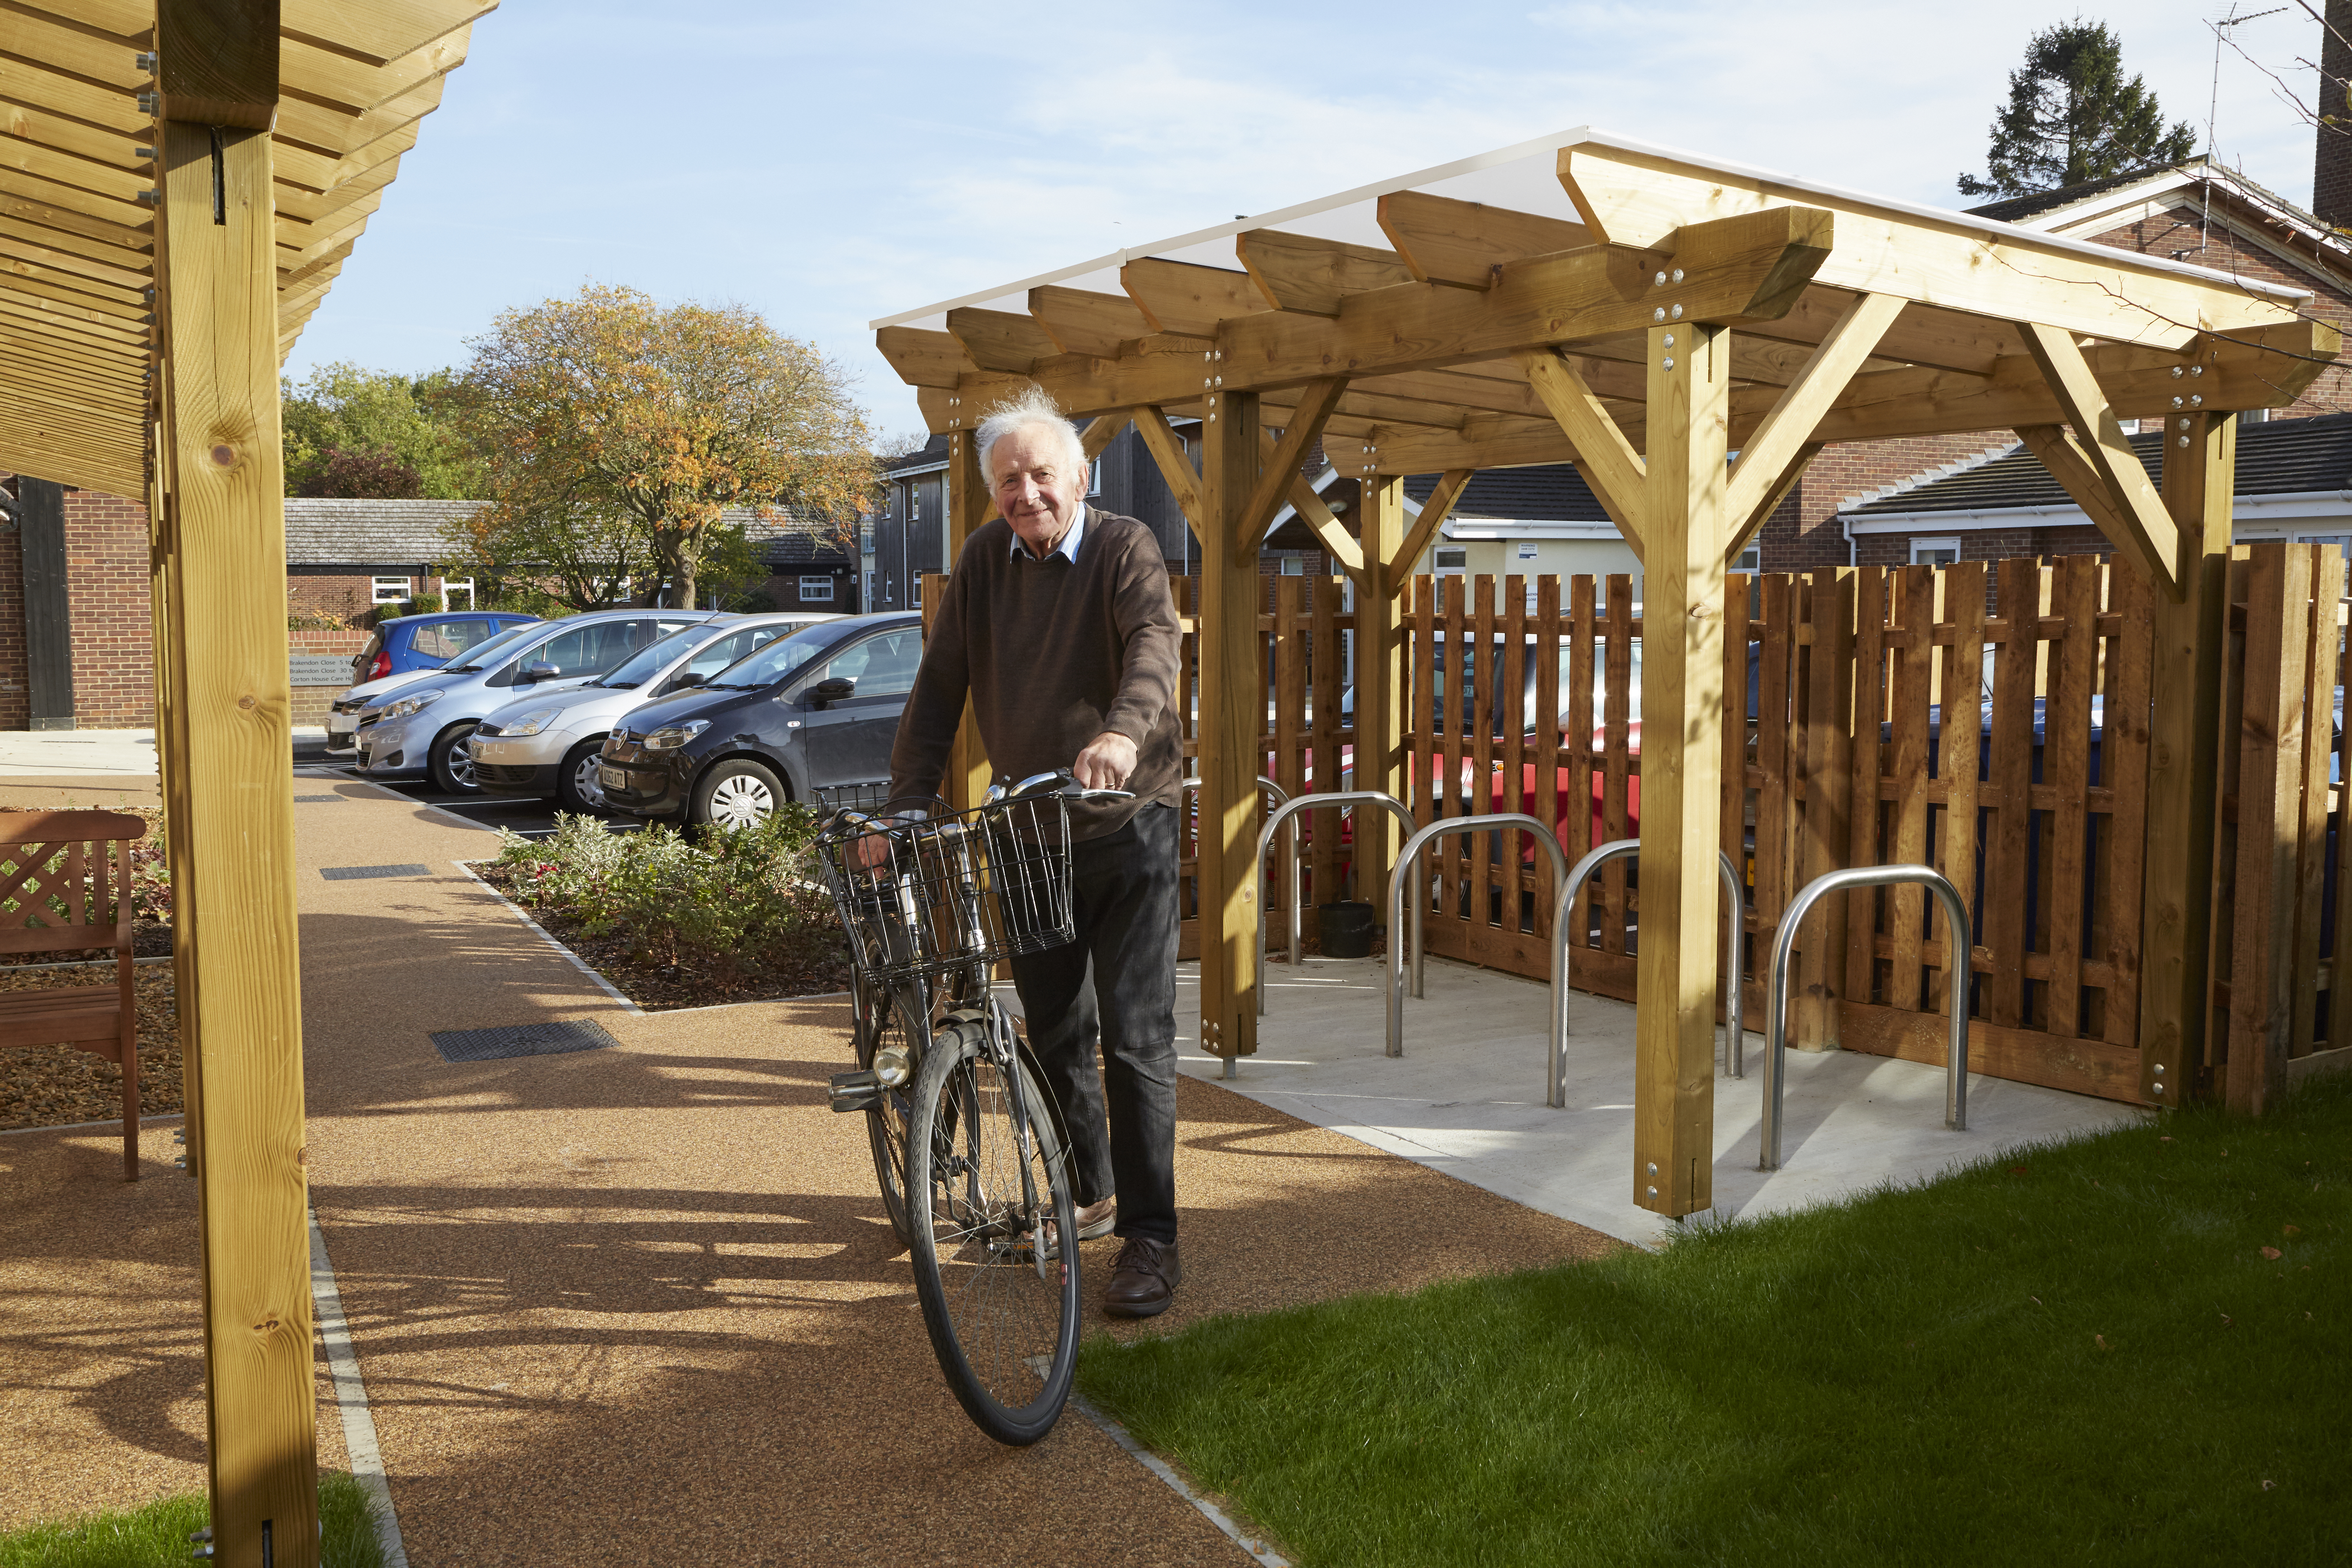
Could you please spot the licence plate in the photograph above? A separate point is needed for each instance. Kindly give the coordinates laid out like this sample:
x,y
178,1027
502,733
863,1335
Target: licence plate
x,y
339,725
612,778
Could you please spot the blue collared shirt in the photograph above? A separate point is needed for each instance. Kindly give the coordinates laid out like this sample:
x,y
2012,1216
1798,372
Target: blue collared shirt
x,y
1069,545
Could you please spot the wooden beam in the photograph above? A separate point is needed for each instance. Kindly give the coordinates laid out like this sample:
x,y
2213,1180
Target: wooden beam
x,y
1266,495
1167,450
1232,714
218,61
1380,756
1763,463
1178,297
1328,530
240,974
1615,472
2183,775
1745,529
1100,433
1643,198
1297,272
1082,323
1682,769
2109,470
1005,341
925,358
1434,514
1467,244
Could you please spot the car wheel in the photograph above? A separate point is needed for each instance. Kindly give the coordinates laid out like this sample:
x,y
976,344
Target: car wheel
x,y
575,782
449,767
737,794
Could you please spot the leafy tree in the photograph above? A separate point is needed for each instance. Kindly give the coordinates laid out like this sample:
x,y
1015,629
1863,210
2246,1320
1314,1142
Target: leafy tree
x,y
550,554
2072,117
380,422
608,404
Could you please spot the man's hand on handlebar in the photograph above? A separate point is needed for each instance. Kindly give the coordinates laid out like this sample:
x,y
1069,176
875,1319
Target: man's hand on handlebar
x,y
1107,763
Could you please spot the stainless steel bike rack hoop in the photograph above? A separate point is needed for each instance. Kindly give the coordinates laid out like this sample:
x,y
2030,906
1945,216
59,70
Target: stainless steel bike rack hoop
x,y
1957,974
1287,812
1734,1040
1409,857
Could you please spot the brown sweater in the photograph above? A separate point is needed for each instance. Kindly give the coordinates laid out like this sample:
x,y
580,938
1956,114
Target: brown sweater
x,y
1052,654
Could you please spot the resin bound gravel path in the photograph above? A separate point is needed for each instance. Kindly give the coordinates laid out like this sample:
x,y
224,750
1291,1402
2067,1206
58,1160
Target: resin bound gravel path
x,y
640,1305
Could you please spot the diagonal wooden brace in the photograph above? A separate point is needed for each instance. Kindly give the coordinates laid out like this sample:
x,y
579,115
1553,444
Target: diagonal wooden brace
x,y
2096,465
1306,427
1607,460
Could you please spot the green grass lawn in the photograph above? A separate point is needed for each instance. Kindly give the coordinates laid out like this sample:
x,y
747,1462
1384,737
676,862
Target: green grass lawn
x,y
156,1536
2135,1348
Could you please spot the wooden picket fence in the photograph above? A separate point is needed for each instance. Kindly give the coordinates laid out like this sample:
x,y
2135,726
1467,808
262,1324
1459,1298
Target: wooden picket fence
x,y
2282,913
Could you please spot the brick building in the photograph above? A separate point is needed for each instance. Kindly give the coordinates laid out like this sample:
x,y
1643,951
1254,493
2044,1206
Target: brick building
x,y
352,560
76,647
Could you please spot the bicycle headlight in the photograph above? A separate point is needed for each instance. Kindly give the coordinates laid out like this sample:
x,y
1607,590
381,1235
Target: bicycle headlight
x,y
894,1067
532,722
670,737
407,705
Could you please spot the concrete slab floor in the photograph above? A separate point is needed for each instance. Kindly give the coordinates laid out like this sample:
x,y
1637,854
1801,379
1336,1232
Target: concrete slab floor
x,y
1466,1098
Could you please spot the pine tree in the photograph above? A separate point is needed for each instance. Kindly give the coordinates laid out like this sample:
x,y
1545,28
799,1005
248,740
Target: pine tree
x,y
2072,117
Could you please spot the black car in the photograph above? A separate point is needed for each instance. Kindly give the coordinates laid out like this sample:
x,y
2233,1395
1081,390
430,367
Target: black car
x,y
814,710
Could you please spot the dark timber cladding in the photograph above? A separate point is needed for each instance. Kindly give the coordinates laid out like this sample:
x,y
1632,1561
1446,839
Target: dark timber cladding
x,y
1589,300
48,616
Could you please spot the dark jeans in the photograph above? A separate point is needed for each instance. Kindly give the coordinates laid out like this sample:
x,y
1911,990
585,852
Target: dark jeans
x,y
1115,987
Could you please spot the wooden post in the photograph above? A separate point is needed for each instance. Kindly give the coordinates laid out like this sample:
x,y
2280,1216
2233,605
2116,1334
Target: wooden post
x,y
1682,768
1380,679
1232,715
969,504
226,706
2184,739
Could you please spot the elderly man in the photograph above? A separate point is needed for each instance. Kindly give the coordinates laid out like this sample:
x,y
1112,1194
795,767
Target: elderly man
x,y
1058,625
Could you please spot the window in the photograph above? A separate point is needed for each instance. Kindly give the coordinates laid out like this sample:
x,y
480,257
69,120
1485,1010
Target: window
x,y
1526,549
592,649
882,666
391,590
722,651
447,639
1094,478
450,590
2342,541
1750,559
1936,552
915,592
1452,559
1293,566
816,590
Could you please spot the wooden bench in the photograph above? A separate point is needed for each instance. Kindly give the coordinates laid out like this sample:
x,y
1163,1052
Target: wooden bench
x,y
53,898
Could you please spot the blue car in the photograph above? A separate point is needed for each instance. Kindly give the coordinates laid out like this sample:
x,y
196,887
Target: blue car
x,y
408,643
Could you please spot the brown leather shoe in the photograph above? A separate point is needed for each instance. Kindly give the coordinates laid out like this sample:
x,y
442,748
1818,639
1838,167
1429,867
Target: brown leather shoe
x,y
1144,1279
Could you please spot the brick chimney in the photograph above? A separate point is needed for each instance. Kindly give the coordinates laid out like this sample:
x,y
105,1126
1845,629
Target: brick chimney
x,y
2331,171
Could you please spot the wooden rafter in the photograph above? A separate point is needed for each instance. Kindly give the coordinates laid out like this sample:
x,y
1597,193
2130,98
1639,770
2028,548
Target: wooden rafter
x,y
1764,458
2100,469
1081,322
1297,272
1178,297
1306,427
1467,244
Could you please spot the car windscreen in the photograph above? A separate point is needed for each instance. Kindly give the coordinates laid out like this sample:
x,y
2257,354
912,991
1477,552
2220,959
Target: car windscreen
x,y
478,656
778,659
650,660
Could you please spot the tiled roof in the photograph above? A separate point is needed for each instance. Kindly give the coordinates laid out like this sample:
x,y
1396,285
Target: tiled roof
x,y
2278,457
2035,203
932,453
1548,492
372,533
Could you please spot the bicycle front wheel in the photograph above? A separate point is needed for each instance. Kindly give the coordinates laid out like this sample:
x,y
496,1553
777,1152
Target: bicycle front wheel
x,y
984,1176
891,1021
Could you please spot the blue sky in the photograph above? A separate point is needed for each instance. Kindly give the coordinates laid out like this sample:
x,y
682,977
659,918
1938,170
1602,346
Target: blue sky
x,y
826,164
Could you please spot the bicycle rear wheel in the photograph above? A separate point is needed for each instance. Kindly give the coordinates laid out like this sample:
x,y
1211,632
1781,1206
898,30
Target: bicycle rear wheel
x,y
1002,1319
888,1021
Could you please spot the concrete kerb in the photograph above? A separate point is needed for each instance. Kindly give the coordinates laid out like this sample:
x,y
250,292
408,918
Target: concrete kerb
x,y
569,957
350,1399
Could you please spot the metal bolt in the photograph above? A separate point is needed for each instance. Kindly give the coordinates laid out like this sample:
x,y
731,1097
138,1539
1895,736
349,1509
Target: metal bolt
x,y
148,198
146,153
1653,1169
151,102
1670,362
1678,274
1653,1191
2176,402
1659,314
2197,370
1204,359
2159,1070
2184,422
2196,400
1678,312
1213,419
145,62
2176,372
2184,440
1659,281
1221,380
1670,339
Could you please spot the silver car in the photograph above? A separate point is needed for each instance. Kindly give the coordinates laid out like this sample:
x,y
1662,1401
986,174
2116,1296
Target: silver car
x,y
369,697
546,744
421,732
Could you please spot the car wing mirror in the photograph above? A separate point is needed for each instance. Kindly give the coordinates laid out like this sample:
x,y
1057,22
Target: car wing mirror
x,y
833,691
540,672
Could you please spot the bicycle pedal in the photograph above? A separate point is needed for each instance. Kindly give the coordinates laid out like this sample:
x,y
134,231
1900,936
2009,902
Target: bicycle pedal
x,y
860,1090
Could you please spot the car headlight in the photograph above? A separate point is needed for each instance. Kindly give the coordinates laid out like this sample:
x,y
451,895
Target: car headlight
x,y
531,723
407,705
670,737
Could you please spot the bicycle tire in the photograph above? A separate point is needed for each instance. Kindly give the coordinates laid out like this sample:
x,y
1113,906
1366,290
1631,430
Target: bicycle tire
x,y
1004,1326
896,1017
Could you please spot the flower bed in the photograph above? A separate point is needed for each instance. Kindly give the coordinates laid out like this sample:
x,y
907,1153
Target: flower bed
x,y
674,922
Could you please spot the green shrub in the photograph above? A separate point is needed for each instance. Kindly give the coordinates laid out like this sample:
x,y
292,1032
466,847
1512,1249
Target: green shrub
x,y
423,605
734,898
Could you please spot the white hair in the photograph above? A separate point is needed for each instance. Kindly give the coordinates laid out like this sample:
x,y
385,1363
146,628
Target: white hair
x,y
1033,406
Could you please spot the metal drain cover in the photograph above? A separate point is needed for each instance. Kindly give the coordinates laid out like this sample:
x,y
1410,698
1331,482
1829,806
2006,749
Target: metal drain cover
x,y
316,799
352,873
521,1040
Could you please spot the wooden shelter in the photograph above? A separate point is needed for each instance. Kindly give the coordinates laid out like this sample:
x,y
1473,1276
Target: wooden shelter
x,y
180,182
1690,334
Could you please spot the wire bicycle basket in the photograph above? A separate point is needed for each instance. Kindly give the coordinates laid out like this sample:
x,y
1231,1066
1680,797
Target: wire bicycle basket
x,y
924,894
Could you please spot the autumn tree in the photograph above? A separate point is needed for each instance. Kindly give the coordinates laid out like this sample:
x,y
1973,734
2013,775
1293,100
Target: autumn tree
x,y
351,432
546,553
2072,117
610,405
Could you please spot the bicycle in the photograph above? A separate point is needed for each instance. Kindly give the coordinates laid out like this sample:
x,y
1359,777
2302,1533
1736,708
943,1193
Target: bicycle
x,y
969,1147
